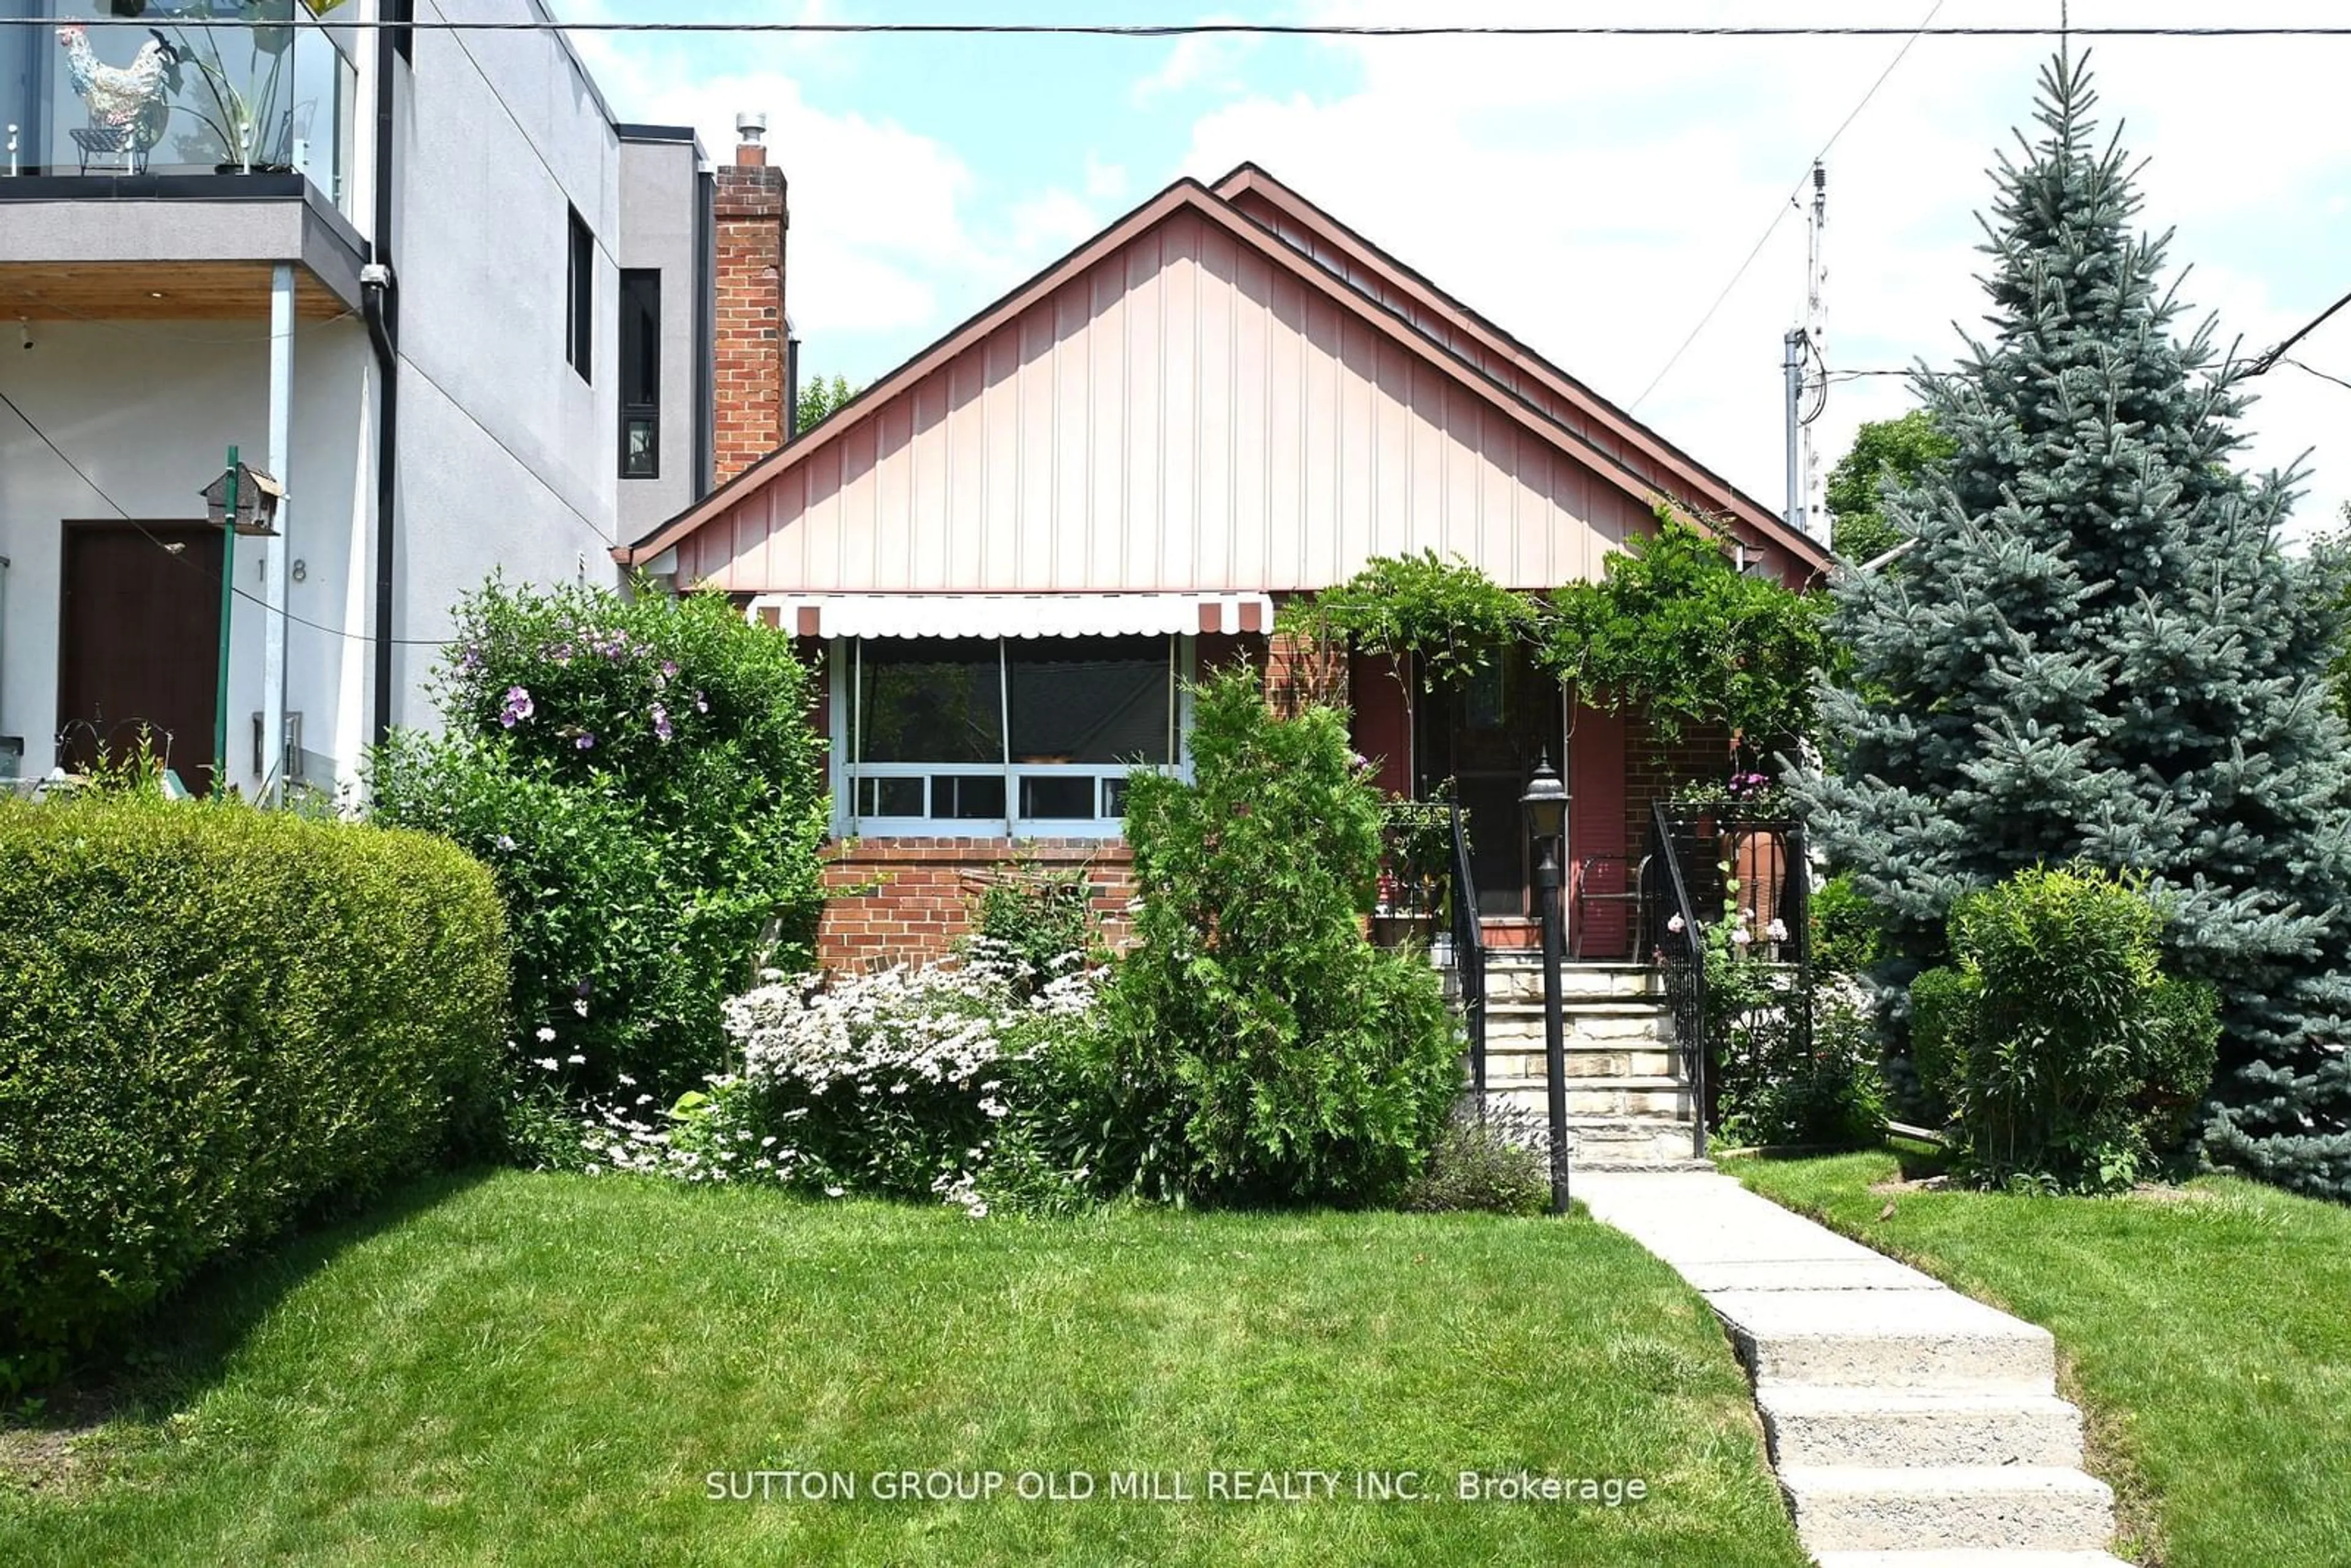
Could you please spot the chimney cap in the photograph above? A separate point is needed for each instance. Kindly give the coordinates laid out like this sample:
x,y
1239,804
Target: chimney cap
x,y
751,125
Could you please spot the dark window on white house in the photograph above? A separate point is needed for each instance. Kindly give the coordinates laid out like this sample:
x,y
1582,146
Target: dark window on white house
x,y
579,333
932,699
983,729
640,345
1089,699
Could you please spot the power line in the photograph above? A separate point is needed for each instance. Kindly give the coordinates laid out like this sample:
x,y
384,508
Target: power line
x,y
2262,364
182,557
1789,206
1194,29
2314,371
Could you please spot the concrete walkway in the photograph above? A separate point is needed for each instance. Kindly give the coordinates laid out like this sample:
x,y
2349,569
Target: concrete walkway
x,y
1912,1426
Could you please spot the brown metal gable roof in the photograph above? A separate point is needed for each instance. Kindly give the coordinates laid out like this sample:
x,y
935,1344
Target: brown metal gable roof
x,y
1703,489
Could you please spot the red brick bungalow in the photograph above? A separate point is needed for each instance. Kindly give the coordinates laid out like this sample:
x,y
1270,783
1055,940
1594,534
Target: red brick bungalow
x,y
1012,550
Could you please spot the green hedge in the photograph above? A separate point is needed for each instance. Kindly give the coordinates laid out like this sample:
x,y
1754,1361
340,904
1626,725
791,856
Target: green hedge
x,y
212,1020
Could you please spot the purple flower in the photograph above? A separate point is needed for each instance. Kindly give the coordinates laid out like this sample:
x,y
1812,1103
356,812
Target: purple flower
x,y
584,988
518,706
661,722
586,741
669,669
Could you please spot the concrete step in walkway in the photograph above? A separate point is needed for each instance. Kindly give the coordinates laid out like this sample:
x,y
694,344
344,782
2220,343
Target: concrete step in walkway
x,y
1512,976
1912,1426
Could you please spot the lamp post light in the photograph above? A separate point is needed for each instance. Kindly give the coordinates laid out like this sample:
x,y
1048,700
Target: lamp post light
x,y
1545,805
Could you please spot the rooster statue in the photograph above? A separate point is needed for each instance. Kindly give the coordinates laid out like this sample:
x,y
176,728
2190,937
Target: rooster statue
x,y
126,99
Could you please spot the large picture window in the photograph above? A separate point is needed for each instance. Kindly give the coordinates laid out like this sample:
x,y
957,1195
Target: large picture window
x,y
1016,735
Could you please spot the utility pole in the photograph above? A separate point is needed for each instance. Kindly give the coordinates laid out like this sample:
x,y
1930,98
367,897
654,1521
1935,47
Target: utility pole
x,y
1791,369
1816,327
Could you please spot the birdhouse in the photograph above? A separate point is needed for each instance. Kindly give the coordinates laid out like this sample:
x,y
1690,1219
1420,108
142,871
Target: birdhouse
x,y
258,496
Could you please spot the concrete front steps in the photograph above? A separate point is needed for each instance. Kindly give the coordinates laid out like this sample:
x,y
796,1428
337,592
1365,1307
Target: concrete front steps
x,y
1911,1426
1628,1098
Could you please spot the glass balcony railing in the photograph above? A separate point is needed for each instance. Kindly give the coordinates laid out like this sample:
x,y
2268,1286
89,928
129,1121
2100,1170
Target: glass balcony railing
x,y
142,87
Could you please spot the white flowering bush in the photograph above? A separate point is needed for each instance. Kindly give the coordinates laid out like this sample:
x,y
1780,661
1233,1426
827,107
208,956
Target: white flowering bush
x,y
926,1083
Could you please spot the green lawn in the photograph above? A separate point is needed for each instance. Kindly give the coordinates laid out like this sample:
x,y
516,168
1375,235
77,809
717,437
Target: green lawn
x,y
525,1369
2207,1331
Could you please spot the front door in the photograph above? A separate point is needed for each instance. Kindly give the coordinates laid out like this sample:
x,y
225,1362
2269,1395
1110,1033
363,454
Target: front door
x,y
1486,735
138,635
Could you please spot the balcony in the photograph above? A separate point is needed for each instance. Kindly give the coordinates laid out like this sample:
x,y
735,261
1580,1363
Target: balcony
x,y
133,87
153,166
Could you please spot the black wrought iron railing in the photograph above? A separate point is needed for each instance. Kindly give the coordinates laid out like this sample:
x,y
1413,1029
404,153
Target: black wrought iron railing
x,y
1677,943
1468,955
1750,880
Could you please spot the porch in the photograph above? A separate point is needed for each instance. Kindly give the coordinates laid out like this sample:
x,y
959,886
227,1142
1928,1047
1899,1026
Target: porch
x,y
1718,900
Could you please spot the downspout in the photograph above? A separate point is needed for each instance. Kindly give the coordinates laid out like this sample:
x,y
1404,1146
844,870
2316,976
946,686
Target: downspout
x,y
705,334
792,382
380,302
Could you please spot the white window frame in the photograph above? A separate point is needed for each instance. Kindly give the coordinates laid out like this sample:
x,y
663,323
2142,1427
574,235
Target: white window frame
x,y
844,770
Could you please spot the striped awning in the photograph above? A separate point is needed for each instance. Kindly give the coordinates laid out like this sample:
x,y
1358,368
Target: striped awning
x,y
1011,614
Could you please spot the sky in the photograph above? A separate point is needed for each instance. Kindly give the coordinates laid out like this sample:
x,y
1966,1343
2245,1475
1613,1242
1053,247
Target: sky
x,y
1592,196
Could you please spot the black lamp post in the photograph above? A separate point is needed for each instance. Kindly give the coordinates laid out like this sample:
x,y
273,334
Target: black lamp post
x,y
1545,804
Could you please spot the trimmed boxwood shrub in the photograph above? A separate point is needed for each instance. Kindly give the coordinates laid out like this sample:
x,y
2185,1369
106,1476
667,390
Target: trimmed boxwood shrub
x,y
212,1022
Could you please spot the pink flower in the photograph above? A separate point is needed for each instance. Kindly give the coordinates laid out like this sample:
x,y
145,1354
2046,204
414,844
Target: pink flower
x,y
518,706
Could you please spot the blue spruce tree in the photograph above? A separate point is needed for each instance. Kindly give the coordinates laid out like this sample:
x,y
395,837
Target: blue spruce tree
x,y
2096,650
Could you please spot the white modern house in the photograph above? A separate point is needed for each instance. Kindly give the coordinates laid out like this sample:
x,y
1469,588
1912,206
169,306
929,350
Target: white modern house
x,y
425,279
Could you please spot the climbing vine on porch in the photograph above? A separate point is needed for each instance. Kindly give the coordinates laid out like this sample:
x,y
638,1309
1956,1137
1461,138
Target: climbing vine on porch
x,y
1445,612
1675,628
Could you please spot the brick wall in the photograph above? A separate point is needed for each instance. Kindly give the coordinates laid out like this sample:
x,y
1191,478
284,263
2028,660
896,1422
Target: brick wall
x,y
1299,672
1653,767
747,202
894,900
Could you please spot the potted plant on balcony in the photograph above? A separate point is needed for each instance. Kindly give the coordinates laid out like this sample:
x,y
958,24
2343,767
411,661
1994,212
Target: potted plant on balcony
x,y
240,126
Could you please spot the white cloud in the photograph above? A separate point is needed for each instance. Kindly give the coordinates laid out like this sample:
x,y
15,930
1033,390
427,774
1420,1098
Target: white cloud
x,y
1051,221
1104,181
1198,61
879,213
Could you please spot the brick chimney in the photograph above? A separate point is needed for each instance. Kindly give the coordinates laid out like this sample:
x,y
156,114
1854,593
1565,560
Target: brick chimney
x,y
748,211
